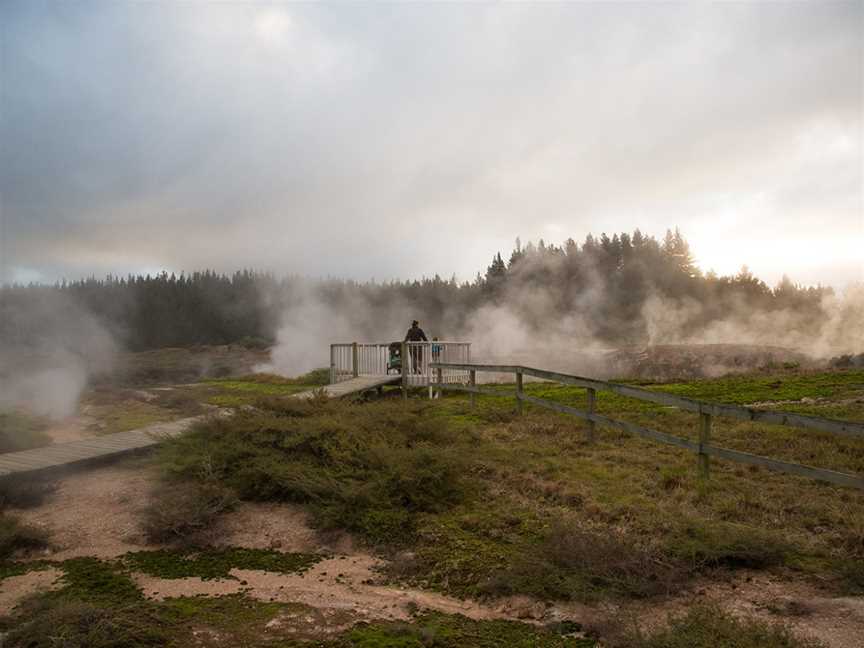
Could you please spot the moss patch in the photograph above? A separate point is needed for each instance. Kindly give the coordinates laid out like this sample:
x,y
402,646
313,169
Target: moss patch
x,y
456,632
216,563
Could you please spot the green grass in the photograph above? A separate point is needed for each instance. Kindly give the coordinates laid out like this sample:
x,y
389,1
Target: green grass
x,y
248,390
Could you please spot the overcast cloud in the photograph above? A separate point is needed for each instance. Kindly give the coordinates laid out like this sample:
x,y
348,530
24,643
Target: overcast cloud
x,y
406,140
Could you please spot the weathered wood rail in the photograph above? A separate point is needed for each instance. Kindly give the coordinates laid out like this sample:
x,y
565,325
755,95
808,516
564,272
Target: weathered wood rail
x,y
707,413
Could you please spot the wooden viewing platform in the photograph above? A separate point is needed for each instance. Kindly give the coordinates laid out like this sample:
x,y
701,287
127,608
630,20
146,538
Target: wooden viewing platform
x,y
97,448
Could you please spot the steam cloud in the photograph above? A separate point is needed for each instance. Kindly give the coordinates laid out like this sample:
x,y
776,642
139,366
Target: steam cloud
x,y
48,350
525,326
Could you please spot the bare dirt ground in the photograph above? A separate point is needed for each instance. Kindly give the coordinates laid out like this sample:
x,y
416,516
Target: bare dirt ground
x,y
14,589
96,513
72,428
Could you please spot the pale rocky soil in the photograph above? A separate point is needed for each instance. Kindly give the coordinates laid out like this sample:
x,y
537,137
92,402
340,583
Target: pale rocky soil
x,y
72,428
96,513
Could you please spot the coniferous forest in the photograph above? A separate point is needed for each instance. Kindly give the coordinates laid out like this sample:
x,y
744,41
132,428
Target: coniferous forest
x,y
602,285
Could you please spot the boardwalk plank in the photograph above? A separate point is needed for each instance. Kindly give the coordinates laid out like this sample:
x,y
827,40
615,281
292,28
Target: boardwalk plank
x,y
111,445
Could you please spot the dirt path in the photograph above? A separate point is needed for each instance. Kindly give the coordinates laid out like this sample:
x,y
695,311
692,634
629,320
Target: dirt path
x,y
71,428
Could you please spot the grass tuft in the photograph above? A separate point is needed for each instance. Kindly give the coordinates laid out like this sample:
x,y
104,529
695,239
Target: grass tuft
x,y
78,624
710,627
183,512
16,536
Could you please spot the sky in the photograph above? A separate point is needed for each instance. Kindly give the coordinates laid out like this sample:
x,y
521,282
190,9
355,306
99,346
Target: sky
x,y
404,140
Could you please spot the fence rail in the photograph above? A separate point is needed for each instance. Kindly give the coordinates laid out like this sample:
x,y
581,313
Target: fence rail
x,y
411,360
707,412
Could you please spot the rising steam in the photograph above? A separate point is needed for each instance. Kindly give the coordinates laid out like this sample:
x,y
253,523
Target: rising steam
x,y
50,347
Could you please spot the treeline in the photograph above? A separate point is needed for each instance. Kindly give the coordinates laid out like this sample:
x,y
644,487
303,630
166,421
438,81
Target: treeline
x,y
602,288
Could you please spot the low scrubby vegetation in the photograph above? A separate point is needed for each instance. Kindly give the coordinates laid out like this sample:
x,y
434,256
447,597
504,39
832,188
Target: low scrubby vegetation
x,y
370,470
80,624
707,626
483,502
16,536
183,512
22,492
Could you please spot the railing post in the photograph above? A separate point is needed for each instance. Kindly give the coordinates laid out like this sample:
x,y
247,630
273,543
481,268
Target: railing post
x,y
704,439
591,432
518,392
439,378
332,364
355,359
472,382
404,364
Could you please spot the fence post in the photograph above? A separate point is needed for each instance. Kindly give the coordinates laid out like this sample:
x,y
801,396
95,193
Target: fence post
x,y
404,364
518,392
355,359
332,364
439,378
472,382
591,432
704,439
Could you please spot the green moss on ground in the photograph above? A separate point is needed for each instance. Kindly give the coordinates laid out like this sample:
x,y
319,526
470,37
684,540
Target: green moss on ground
x,y
454,631
216,563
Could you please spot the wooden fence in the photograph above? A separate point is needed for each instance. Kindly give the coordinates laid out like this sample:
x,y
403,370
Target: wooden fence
x,y
707,412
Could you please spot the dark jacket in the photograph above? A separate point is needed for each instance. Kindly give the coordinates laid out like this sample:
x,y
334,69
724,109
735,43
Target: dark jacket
x,y
415,334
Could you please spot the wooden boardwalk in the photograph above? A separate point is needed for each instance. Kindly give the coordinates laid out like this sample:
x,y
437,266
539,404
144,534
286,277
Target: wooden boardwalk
x,y
60,455
353,386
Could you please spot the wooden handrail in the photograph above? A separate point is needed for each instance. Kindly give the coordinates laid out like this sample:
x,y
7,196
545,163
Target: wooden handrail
x,y
778,417
706,410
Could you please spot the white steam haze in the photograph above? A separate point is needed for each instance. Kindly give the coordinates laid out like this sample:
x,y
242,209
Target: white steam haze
x,y
525,328
58,347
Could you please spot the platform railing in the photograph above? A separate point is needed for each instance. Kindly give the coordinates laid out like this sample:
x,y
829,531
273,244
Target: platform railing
x,y
352,359
708,412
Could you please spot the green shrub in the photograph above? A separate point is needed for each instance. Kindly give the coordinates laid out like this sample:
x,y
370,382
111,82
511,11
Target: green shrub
x,y
366,468
571,563
16,536
724,544
315,377
253,342
23,492
710,627
75,624
183,511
